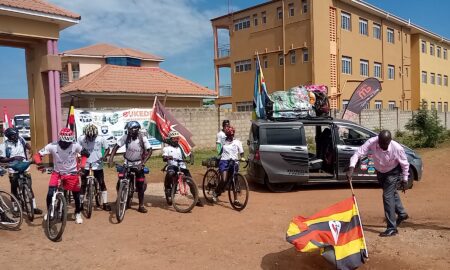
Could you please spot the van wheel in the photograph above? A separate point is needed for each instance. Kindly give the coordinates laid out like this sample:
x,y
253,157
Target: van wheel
x,y
278,187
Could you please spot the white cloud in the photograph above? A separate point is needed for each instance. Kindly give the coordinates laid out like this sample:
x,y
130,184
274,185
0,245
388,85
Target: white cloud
x,y
162,27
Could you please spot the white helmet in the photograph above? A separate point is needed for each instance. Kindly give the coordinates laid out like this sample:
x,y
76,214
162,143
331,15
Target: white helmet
x,y
173,134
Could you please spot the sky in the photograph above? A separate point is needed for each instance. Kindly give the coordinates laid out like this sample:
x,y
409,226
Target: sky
x,y
178,30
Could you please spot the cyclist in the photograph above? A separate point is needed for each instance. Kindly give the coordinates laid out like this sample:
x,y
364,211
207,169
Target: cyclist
x,y
171,154
95,145
15,149
220,137
231,150
137,151
64,152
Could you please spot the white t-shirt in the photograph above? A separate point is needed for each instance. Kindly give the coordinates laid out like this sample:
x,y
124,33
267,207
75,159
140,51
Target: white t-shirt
x,y
231,150
95,149
14,149
133,153
176,153
65,161
220,137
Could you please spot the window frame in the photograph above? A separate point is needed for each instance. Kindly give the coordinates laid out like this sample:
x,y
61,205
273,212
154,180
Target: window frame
x,y
242,23
346,60
378,104
432,49
391,105
432,78
376,26
305,55
292,56
445,54
377,65
279,13
438,51
424,77
348,18
265,62
389,69
345,104
255,20
242,66
291,8
280,59
423,47
364,63
263,17
305,6
445,80
439,79
363,26
390,35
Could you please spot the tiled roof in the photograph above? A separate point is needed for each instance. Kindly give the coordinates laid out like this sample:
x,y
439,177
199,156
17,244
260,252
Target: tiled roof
x,y
136,80
39,6
14,107
105,50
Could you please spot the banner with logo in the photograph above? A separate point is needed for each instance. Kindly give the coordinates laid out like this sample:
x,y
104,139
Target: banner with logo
x,y
361,96
111,124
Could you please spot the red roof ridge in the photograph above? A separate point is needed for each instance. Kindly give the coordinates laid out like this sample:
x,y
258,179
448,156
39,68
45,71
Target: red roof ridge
x,y
40,6
106,49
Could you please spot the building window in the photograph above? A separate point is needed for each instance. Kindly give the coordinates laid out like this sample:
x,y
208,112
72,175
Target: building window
x,y
363,27
424,77
445,106
242,23
438,51
263,17
345,104
439,106
265,62
431,49
445,54
433,106
378,105
305,55
377,70
390,35
367,106
391,105
445,80
244,106
364,68
123,61
293,57
439,79
432,78
291,10
243,66
346,20
391,72
424,46
280,59
304,6
377,31
346,65
255,19
280,13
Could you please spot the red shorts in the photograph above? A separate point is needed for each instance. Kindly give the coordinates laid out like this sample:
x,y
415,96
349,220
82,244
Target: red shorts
x,y
70,181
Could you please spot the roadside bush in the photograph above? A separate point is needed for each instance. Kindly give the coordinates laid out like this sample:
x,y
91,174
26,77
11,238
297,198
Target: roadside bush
x,y
426,130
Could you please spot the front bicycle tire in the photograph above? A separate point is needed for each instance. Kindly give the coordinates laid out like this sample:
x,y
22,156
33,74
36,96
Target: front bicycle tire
x,y
27,198
238,192
7,202
87,209
210,182
184,195
121,202
56,218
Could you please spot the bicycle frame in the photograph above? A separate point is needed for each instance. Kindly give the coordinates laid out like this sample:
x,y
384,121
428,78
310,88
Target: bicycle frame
x,y
59,190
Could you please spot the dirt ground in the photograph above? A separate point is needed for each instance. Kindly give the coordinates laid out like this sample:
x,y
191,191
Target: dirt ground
x,y
217,237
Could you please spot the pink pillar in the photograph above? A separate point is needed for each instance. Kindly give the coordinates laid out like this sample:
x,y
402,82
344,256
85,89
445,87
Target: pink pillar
x,y
52,98
57,90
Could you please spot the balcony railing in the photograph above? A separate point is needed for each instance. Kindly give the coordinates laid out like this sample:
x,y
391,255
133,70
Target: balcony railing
x,y
223,50
225,90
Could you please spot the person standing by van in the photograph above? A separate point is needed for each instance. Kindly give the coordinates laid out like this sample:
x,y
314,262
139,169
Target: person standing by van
x,y
220,137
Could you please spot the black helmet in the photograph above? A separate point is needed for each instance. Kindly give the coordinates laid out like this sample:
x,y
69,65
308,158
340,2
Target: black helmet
x,y
133,125
9,132
225,122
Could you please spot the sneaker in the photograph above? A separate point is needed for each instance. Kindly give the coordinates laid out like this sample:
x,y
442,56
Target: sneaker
x,y
37,211
15,207
400,219
142,209
45,217
199,203
106,207
78,219
214,196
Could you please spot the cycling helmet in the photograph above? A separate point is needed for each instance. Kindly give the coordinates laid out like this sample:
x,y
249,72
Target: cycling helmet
x,y
66,135
90,130
173,134
9,132
229,131
133,125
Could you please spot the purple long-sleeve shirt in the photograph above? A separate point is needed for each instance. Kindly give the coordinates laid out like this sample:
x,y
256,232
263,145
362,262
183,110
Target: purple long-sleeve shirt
x,y
384,161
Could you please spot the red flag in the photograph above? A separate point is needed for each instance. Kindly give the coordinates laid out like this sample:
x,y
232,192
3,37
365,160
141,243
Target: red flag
x,y
7,122
71,116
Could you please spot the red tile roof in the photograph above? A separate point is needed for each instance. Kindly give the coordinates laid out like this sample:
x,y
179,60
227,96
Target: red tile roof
x,y
136,80
39,6
13,107
105,50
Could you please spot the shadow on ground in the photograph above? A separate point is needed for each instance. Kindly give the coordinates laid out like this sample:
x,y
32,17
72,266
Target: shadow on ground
x,y
292,259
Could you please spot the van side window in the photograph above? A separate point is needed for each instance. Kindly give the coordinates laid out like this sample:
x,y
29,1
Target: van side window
x,y
352,136
284,136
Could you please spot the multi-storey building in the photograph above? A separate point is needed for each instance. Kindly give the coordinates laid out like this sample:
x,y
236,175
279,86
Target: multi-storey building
x,y
338,43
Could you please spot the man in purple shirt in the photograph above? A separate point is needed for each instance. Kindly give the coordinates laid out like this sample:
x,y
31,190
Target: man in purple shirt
x,y
390,161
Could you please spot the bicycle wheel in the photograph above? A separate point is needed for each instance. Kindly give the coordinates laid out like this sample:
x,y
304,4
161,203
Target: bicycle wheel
x,y
210,182
238,192
121,202
56,218
184,195
89,198
98,194
27,200
10,218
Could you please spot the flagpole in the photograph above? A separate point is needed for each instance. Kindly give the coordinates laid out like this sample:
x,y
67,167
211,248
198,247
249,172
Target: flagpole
x,y
360,222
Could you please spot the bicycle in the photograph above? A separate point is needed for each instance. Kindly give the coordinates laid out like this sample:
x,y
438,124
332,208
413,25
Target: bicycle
x,y
24,193
184,191
126,189
92,191
10,218
236,184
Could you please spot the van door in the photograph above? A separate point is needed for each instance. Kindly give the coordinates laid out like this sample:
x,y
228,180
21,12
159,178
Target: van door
x,y
284,153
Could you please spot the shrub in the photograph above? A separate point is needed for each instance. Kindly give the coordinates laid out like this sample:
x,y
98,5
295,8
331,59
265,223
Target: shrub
x,y
426,129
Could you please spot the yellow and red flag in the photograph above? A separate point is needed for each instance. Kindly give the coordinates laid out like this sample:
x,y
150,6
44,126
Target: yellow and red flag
x,y
336,232
71,116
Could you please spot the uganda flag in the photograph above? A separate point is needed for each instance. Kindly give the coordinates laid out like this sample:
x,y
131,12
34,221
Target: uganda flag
x,y
71,117
336,232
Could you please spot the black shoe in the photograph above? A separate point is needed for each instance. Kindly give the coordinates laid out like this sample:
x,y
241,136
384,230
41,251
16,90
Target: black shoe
x,y
5,219
37,211
199,203
388,233
142,209
106,207
400,219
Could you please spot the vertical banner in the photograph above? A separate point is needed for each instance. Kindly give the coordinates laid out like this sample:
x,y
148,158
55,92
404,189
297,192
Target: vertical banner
x,y
111,124
361,96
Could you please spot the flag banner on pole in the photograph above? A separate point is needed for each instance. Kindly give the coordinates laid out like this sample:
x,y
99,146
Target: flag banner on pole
x,y
336,232
71,116
7,122
162,122
361,96
260,96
